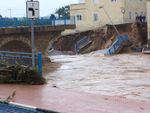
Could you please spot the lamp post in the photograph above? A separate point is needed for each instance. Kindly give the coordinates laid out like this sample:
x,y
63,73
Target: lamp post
x,y
101,7
33,41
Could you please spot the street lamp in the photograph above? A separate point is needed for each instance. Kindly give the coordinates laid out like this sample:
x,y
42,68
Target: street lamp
x,y
101,7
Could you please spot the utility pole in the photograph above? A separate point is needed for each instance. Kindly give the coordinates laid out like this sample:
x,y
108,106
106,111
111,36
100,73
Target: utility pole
x,y
101,7
32,8
33,41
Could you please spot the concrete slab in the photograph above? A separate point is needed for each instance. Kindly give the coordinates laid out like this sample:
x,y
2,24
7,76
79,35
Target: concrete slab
x,y
146,52
72,102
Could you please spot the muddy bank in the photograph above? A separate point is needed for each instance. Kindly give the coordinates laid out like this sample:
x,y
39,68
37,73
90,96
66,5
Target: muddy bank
x,y
137,33
104,37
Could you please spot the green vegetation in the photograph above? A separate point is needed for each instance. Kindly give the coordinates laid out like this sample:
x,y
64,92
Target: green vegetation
x,y
1,16
20,74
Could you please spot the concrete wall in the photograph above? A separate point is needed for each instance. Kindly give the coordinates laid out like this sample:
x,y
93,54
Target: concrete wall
x,y
79,9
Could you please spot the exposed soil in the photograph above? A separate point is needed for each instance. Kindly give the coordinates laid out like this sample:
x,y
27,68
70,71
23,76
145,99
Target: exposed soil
x,y
104,37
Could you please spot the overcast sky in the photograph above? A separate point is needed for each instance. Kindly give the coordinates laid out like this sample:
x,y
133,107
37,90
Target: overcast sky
x,y
17,8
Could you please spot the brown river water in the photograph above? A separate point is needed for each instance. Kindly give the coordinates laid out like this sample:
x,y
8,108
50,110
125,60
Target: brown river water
x,y
126,75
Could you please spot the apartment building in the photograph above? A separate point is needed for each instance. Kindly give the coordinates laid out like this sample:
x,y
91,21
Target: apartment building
x,y
94,13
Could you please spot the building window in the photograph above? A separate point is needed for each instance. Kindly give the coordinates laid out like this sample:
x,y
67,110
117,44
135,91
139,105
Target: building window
x,y
136,14
95,17
113,0
79,17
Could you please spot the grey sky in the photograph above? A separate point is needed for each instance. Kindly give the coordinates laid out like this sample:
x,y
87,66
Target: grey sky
x,y
17,8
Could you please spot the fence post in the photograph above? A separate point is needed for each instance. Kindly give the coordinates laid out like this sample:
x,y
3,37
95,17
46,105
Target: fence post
x,y
65,21
54,21
40,63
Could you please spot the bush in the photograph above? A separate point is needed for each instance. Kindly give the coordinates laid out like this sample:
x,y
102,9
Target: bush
x,y
20,74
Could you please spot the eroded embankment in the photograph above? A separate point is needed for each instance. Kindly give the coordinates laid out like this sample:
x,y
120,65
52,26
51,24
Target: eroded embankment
x,y
103,37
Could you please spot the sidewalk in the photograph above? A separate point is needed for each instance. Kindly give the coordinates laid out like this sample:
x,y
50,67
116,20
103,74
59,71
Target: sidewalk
x,y
72,102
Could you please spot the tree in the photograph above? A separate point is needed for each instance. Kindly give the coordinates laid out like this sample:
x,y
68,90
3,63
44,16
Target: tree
x,y
52,17
63,12
1,16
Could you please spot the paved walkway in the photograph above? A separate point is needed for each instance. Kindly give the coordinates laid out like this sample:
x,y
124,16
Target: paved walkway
x,y
72,102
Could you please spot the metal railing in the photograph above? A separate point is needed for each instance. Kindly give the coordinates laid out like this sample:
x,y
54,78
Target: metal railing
x,y
25,22
16,57
117,45
21,58
11,107
84,41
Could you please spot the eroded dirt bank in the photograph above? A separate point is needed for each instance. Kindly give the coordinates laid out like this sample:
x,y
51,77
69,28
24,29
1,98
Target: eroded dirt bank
x,y
104,37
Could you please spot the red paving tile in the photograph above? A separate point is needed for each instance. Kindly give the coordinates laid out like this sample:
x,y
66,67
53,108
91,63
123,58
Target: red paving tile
x,y
71,101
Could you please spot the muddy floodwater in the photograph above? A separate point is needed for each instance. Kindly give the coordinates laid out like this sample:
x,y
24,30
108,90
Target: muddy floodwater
x,y
126,75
